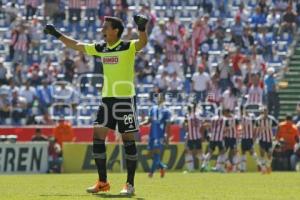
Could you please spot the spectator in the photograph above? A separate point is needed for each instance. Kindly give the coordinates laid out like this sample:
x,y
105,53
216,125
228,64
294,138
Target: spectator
x,y
265,43
105,9
60,14
258,18
54,156
159,37
255,93
5,106
273,21
19,106
219,31
3,73
237,59
63,132
21,41
200,84
29,93
172,27
273,101
175,85
69,67
225,71
74,11
289,23
91,10
51,8
31,8
130,33
146,10
242,13
237,32
289,132
295,158
161,82
229,99
44,96
12,11
35,74
120,11
38,136
214,93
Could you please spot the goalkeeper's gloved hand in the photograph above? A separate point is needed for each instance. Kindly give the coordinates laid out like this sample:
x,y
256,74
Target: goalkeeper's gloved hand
x,y
50,29
141,21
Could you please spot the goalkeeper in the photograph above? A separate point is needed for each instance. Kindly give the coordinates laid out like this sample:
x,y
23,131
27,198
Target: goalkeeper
x,y
118,107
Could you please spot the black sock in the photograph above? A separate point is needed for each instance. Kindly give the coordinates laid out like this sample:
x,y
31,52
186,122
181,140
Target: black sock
x,y
99,153
131,160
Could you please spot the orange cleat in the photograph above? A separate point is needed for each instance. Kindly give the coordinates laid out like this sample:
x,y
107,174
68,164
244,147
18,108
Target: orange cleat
x,y
162,172
99,187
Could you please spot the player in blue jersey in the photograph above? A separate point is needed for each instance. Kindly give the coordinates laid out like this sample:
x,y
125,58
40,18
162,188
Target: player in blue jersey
x,y
159,118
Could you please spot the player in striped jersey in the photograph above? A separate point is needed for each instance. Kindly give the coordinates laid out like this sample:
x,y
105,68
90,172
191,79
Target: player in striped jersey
x,y
159,117
217,126
193,125
248,123
265,135
230,139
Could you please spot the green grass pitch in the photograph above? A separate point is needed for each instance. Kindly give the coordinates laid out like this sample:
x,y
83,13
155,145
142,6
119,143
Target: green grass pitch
x,y
176,185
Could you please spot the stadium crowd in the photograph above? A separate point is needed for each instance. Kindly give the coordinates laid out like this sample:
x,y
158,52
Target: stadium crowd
x,y
224,53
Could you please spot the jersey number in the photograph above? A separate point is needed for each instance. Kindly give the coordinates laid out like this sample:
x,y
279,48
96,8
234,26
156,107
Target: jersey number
x,y
128,119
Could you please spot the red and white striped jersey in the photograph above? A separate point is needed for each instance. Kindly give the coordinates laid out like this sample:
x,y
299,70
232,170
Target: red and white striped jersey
x,y
92,4
173,29
248,127
22,43
255,95
171,51
194,125
229,101
265,128
230,127
214,94
74,4
217,128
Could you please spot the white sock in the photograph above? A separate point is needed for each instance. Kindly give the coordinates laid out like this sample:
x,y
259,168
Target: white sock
x,y
256,159
243,163
200,158
236,162
189,160
219,162
206,159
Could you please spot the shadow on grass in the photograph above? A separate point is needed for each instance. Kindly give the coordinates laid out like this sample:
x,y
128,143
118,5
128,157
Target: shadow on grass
x,y
64,195
114,196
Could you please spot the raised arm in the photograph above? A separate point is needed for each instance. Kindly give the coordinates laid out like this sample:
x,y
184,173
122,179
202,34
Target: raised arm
x,y
141,22
69,42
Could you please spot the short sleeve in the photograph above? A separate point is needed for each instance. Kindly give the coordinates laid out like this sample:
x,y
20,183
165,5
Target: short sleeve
x,y
90,49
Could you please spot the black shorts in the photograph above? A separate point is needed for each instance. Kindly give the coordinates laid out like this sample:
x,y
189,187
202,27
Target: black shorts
x,y
194,144
267,146
214,144
118,111
247,144
230,143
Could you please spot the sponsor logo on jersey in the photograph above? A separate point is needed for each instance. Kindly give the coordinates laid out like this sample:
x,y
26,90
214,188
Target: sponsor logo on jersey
x,y
110,60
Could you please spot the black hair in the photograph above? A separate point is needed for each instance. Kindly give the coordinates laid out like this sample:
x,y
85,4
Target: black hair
x,y
116,23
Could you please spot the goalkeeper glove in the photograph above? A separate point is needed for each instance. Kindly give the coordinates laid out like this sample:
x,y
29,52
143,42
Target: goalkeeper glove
x,y
50,29
141,21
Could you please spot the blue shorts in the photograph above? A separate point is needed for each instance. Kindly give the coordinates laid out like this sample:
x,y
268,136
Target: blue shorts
x,y
247,144
155,144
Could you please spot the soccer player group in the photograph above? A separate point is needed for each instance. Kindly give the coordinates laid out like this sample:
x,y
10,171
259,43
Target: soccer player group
x,y
226,131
